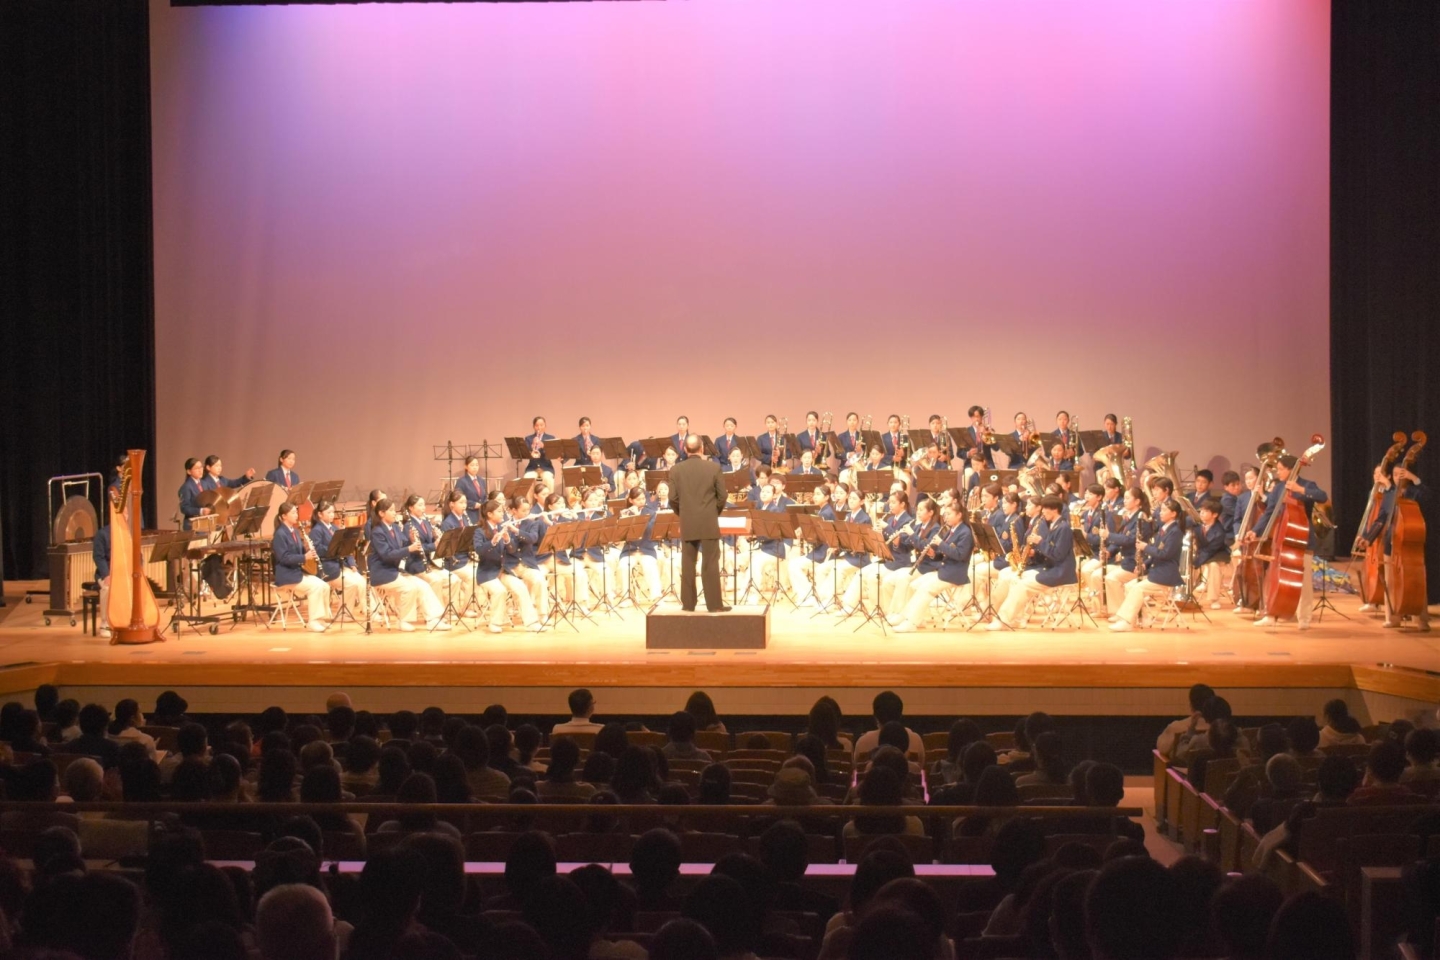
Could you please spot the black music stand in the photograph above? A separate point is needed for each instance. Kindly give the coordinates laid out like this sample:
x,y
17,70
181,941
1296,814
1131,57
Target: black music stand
x,y
1007,444
326,490
988,540
555,539
247,525
655,448
768,525
1082,553
753,530
518,487
344,545
667,527
810,525
1090,441
738,481
827,534
707,447
749,447
880,553
602,534
851,537
935,482
172,547
734,524
631,530
452,543
582,476
653,479
875,485
302,498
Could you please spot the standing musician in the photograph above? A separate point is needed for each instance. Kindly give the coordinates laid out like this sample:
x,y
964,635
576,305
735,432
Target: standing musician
x,y
459,570
472,485
389,549
677,439
340,575
1128,528
213,479
1229,500
892,443
898,523
536,443
811,437
289,550
522,571
1053,550
1307,493
1068,447
979,452
1380,527
728,442
100,553
804,567
642,552
1212,551
852,444
943,567
586,441
284,474
1204,482
1022,437
768,443
1162,567
570,583
189,493
492,545
417,526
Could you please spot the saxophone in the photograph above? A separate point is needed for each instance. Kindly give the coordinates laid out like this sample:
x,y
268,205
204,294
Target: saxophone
x,y
1139,554
1016,554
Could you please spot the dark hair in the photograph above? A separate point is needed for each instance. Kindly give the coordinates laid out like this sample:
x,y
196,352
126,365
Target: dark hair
x,y
720,905
580,701
125,713
191,781
682,939
714,784
824,722
1130,911
785,851
1079,792
1241,912
1272,740
611,739
682,727
888,706
1105,785
1200,693
702,708
1312,926
527,740
977,757
1423,744
878,867
564,755
340,722
655,860
599,768
277,777
881,788
393,769
813,749
894,734
93,719
1216,708
190,739
634,774
1049,756
472,746
1386,761
1304,734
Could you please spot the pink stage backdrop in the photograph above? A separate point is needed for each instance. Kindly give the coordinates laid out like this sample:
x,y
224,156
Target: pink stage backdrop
x,y
381,227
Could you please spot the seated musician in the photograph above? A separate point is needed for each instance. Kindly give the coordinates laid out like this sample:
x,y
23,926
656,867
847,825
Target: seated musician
x,y
213,480
1002,509
769,569
762,478
417,526
1052,544
1114,441
472,485
289,552
804,566
640,557
979,454
597,562
677,439
1160,489
389,549
807,466
100,553
341,576
1229,500
1381,528
1021,435
1204,487
1095,524
1307,494
1067,441
1162,567
901,572
621,483
372,510
944,567
284,474
189,493
671,458
521,566
728,442
491,545
597,459
459,570
568,579
777,481
1212,552
1065,482
898,522
892,442
768,443
942,443
1129,526
535,443
810,438
734,462
635,458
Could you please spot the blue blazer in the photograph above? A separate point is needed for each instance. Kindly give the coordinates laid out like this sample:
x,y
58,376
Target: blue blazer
x,y
1162,556
1003,529
1242,503
1210,545
858,559
1068,438
1090,523
955,552
288,551
775,547
491,557
321,534
1308,499
389,549
474,490
1057,554
584,458
901,551
892,443
100,551
723,446
808,440
538,463
849,442
766,445
452,522
1416,491
975,440
416,562
818,552
1228,516
208,482
190,508
277,477
1122,541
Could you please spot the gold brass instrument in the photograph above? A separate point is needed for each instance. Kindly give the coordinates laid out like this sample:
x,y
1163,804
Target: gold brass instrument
x,y
903,451
972,501
944,438
778,454
1040,458
1127,432
822,446
1163,464
1016,554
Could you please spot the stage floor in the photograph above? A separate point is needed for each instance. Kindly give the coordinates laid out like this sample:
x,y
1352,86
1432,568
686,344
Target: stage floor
x,y
1132,672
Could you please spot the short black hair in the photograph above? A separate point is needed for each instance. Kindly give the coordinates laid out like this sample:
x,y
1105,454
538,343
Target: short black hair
x,y
785,851
1130,911
682,727
1386,761
1199,694
888,706
93,719
580,701
1422,744
1207,474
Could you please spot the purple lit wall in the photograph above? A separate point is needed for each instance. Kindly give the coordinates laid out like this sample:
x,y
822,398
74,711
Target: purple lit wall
x,y
381,227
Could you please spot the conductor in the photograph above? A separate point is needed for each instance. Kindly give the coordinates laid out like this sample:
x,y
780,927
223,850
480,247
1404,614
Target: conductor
x,y
697,495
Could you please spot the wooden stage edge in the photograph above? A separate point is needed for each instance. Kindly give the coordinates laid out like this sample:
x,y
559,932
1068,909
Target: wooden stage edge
x,y
804,654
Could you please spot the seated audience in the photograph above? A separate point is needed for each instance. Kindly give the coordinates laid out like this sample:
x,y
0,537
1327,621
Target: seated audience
x,y
1383,769
1340,728
889,708
681,745
1188,727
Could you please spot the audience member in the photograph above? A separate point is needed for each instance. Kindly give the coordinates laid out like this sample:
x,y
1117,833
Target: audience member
x,y
559,779
293,922
1130,910
681,745
948,769
1340,728
824,724
1422,747
702,708
1190,726
1311,926
1050,768
1241,912
582,709
472,746
127,723
888,707
683,939
1383,769
169,710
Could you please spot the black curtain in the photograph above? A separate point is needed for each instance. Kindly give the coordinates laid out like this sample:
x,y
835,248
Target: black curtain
x,y
77,361
1384,246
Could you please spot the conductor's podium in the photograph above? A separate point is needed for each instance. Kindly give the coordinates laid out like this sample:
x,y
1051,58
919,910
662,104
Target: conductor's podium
x,y
745,627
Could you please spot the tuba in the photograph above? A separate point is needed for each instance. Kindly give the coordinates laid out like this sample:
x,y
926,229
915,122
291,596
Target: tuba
x,y
1163,464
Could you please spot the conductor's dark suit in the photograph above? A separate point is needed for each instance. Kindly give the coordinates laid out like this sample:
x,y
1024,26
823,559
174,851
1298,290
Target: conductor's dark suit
x,y
697,495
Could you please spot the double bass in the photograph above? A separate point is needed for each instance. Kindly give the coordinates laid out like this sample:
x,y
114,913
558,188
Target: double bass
x,y
1372,572
133,613
1249,569
1289,538
1405,568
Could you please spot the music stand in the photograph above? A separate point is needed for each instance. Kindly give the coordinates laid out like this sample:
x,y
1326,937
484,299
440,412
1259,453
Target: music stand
x,y
667,527
935,481
875,483
988,540
452,543
655,448
809,534
343,545
653,479
555,539
171,546
601,535
738,481
735,523
560,449
769,525
1007,444
880,553
707,447
748,446
827,534
326,490
631,530
1082,552
582,476
1090,441
851,538
247,524
518,487
302,499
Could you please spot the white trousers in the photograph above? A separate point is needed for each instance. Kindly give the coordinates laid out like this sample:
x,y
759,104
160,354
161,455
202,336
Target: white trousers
x,y
926,589
412,595
1215,575
645,568
895,587
351,588
533,586
1135,593
570,581
1023,589
1116,580
316,594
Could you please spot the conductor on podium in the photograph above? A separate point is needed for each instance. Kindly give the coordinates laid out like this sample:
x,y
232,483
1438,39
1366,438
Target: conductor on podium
x,y
697,495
